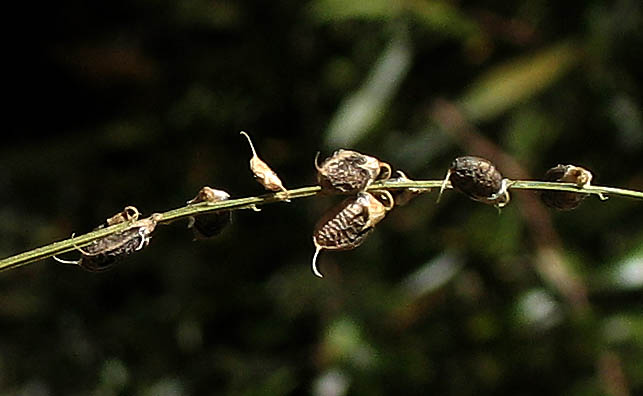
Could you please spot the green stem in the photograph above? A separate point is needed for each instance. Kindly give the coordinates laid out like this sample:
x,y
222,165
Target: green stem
x,y
252,203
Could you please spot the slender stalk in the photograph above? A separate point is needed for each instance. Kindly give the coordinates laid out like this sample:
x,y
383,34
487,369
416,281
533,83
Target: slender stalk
x,y
253,202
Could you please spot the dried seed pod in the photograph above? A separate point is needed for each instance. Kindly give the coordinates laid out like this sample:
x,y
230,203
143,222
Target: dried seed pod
x,y
347,225
405,195
262,172
348,171
130,213
479,179
210,224
103,253
564,200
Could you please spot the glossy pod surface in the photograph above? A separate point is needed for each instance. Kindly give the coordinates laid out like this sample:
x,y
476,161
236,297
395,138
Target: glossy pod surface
x,y
565,200
210,224
476,177
479,179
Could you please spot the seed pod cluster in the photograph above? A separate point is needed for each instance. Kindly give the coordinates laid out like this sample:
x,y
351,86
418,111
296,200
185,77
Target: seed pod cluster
x,y
348,224
103,253
479,179
210,224
564,200
349,172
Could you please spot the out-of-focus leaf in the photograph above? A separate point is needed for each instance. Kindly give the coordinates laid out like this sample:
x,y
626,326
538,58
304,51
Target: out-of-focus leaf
x,y
439,16
277,382
412,152
530,132
537,310
331,383
19,304
336,10
623,328
362,110
344,342
432,275
114,376
627,273
443,17
214,14
166,387
624,273
517,80
628,118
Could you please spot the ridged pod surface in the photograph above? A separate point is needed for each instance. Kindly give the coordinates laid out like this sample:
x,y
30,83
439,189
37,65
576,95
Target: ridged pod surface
x,y
349,172
347,225
103,253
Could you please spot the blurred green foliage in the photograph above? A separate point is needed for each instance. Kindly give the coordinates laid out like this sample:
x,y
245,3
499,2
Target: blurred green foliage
x,y
140,103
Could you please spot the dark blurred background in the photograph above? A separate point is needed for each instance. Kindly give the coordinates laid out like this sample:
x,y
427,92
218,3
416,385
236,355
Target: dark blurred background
x,y
140,102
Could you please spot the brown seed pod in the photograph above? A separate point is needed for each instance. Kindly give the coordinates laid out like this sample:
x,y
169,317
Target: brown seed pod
x,y
348,224
130,213
210,224
405,195
564,200
103,253
262,172
479,179
349,172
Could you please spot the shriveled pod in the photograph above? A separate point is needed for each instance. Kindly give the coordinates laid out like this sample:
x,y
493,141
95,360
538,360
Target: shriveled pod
x,y
349,172
405,195
209,225
347,225
103,253
262,172
564,200
479,179
130,213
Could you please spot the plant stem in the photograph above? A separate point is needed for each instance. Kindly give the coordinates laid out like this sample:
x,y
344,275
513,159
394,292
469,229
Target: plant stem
x,y
252,203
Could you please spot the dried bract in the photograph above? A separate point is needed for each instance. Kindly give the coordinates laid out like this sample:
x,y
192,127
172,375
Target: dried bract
x,y
349,172
479,179
404,195
130,213
564,200
347,225
103,253
209,225
262,172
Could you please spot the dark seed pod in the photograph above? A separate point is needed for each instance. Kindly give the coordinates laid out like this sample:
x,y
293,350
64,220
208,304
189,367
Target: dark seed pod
x,y
564,200
479,179
103,253
405,195
210,224
349,172
347,225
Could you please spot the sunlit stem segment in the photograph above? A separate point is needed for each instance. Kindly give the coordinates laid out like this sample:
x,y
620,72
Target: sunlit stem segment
x,y
303,192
